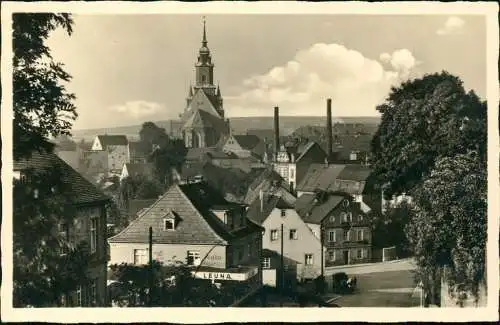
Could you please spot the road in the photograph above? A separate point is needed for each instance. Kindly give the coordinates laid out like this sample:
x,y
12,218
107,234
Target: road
x,y
388,284
398,265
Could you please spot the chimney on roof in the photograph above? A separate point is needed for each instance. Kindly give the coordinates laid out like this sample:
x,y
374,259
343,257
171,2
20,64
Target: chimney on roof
x,y
329,128
261,197
276,130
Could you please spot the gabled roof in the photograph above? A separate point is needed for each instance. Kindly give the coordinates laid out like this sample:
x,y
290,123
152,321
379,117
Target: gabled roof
x,y
355,173
247,141
313,211
201,101
319,176
112,140
259,213
335,178
191,205
140,169
270,182
203,119
80,190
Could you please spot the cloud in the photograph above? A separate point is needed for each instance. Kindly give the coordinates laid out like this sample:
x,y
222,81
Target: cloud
x,y
453,25
137,109
355,83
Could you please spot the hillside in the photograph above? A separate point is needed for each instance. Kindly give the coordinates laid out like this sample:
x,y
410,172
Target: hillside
x,y
288,124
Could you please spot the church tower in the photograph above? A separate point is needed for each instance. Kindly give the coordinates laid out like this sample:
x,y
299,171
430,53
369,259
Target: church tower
x,y
203,117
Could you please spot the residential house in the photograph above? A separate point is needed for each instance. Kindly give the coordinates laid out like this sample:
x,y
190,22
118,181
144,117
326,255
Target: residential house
x,y
340,223
294,159
269,182
301,248
88,224
117,150
193,224
351,179
145,170
244,145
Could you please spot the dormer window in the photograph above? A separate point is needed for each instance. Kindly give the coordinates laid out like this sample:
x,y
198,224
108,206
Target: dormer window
x,y
169,221
168,224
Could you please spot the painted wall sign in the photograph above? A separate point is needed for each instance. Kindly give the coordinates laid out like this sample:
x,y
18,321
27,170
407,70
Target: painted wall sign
x,y
226,276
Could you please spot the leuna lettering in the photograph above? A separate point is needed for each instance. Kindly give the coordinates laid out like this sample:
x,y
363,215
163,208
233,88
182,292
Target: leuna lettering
x,y
215,276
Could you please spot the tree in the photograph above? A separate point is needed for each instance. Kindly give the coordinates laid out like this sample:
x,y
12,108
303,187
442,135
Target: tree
x,y
166,158
46,265
421,120
42,106
449,227
151,135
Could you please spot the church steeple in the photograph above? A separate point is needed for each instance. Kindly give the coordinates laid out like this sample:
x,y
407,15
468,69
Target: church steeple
x,y
204,66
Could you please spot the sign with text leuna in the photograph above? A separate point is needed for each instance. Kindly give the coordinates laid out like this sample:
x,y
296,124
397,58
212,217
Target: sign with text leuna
x,y
225,276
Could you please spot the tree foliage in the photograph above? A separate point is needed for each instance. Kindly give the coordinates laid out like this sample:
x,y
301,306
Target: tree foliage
x,y
422,120
172,286
166,158
46,265
449,228
138,188
42,105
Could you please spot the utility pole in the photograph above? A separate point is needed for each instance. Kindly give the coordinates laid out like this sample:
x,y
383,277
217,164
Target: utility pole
x,y
321,236
282,284
151,278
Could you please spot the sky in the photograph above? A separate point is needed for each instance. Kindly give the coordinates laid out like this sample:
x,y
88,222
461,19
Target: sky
x,y
128,69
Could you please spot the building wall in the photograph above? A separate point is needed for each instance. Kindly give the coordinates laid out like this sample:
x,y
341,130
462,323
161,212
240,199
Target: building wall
x,y
117,157
80,231
96,145
245,250
293,249
358,236
169,253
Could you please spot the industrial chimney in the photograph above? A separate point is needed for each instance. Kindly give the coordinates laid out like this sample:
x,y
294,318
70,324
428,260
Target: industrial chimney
x,y
329,128
276,131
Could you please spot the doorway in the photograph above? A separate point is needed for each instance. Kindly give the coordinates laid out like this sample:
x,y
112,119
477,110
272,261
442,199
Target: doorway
x,y
346,257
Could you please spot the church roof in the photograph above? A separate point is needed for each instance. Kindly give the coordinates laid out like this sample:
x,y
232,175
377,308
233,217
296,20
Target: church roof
x,y
247,141
203,119
112,140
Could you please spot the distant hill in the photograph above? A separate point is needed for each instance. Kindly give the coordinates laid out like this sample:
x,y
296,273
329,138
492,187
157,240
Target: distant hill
x,y
288,124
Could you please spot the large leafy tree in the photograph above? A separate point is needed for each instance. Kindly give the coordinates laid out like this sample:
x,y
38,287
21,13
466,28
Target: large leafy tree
x,y
423,119
166,158
43,107
46,265
449,227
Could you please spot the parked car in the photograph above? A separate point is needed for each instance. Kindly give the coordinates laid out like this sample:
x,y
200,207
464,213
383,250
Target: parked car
x,y
342,284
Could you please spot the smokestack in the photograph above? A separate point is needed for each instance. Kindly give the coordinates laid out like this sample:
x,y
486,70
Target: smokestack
x,y
261,197
329,127
276,130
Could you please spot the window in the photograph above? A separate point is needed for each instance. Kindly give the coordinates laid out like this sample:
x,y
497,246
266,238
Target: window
x,y
168,224
140,256
308,259
79,301
331,255
293,234
360,218
332,219
343,216
93,293
346,234
274,235
292,173
360,233
345,203
249,250
360,253
193,258
93,235
203,78
266,263
349,216
331,236
283,213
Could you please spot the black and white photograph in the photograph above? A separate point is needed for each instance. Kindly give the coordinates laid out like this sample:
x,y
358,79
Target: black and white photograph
x,y
249,155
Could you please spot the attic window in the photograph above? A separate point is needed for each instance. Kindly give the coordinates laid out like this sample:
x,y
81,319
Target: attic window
x,y
169,224
345,203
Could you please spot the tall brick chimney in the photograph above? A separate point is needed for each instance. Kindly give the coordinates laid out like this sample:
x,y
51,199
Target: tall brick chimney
x,y
329,128
276,131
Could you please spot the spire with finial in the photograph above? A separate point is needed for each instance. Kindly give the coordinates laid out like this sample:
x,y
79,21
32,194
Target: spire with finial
x,y
218,90
204,32
190,90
